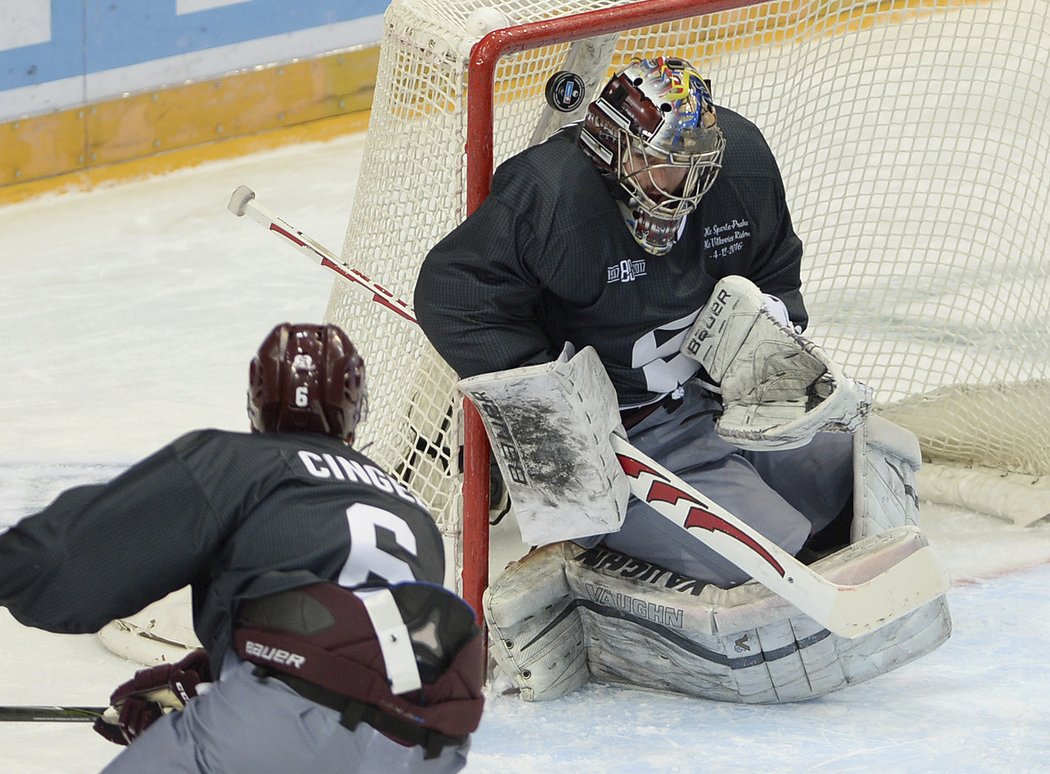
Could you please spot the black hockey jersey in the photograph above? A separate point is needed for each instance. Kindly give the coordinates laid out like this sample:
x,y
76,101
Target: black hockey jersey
x,y
237,516
547,259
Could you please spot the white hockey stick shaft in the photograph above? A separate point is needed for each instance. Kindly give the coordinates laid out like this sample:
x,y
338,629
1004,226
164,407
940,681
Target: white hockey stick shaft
x,y
846,610
243,202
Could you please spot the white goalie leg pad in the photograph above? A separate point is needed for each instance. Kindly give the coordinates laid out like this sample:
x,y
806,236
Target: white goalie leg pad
x,y
886,458
778,388
535,631
644,626
549,426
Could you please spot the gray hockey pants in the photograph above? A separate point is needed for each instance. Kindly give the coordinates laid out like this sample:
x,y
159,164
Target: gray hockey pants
x,y
785,495
244,724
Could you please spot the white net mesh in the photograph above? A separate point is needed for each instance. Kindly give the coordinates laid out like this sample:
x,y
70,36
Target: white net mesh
x,y
914,145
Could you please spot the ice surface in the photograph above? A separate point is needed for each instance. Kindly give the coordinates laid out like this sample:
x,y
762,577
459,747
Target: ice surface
x,y
129,315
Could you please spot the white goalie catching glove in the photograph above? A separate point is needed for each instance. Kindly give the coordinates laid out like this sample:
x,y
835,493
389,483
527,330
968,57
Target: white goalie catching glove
x,y
778,387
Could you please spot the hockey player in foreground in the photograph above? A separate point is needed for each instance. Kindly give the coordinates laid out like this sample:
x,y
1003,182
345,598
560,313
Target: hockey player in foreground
x,y
654,240
316,584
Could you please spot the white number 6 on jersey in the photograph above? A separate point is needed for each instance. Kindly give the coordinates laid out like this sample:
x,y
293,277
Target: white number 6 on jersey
x,y
302,396
365,554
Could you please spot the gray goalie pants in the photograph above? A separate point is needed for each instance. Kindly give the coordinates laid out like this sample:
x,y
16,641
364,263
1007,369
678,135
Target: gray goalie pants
x,y
785,495
244,724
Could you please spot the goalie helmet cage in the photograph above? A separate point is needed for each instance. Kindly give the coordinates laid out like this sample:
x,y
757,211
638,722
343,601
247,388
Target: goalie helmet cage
x,y
913,140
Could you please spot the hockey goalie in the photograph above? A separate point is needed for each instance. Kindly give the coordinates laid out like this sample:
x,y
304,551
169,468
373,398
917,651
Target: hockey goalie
x,y
731,606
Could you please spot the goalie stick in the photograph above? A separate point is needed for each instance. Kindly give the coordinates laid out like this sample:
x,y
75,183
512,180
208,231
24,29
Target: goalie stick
x,y
242,202
50,714
848,610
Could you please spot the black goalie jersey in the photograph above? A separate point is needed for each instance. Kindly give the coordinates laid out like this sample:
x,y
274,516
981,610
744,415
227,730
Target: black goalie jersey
x,y
547,259
238,516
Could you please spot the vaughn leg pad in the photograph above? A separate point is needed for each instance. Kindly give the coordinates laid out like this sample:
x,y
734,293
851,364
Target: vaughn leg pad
x,y
535,629
614,619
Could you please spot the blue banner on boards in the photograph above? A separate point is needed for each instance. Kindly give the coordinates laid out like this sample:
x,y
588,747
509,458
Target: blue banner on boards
x,y
97,35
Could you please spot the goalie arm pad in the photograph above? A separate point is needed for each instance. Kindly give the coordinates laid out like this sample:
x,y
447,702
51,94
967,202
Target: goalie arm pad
x,y
778,388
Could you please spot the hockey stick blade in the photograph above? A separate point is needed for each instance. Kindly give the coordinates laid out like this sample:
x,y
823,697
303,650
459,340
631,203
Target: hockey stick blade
x,y
846,610
242,202
50,714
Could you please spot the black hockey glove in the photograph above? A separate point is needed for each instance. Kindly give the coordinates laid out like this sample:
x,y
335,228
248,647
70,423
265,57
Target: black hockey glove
x,y
151,693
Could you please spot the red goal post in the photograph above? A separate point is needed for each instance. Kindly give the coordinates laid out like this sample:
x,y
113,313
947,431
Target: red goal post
x,y
479,160
913,139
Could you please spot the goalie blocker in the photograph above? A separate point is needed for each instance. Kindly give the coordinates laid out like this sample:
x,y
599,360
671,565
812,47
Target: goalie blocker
x,y
564,615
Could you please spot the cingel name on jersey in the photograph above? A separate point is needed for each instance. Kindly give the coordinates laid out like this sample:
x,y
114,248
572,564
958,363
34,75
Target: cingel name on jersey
x,y
344,469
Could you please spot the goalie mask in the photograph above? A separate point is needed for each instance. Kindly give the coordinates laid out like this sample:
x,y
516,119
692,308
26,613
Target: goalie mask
x,y
653,132
307,379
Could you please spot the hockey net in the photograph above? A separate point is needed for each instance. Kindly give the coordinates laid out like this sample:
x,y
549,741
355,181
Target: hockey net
x,y
914,144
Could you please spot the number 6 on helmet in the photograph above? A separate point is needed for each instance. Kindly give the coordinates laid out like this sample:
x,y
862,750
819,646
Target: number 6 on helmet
x,y
307,378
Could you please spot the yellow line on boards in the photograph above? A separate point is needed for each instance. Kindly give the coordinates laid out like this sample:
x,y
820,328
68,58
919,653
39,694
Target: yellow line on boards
x,y
162,163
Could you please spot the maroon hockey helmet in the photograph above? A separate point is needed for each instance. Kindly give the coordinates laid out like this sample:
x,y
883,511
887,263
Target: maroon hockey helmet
x,y
307,379
653,132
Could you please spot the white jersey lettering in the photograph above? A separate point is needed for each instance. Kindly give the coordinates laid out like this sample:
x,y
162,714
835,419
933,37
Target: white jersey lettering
x,y
276,655
366,557
344,469
354,471
314,464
